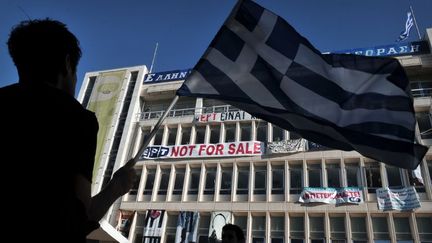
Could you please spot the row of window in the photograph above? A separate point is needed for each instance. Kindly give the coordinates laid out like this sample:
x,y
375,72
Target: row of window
x,y
358,228
182,182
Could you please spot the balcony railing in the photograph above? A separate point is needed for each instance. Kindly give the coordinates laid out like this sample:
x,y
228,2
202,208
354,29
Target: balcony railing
x,y
423,92
186,112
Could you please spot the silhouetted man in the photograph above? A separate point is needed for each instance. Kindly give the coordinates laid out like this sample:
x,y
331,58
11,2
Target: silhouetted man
x,y
49,141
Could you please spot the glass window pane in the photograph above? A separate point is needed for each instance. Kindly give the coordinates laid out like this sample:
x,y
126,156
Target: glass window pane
x,y
353,175
243,180
333,175
165,173
258,226
210,181
149,182
185,135
358,228
226,180
314,173
194,181
337,228
172,134
260,179
424,228
316,227
296,227
296,179
230,132
214,133
200,134
373,177
278,179
278,134
402,228
261,130
380,228
179,180
393,176
158,137
277,227
245,131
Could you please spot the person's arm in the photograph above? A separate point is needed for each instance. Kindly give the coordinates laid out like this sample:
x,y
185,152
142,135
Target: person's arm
x,y
122,181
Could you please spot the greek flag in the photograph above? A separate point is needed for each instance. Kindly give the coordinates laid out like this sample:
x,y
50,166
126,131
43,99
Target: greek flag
x,y
260,64
408,24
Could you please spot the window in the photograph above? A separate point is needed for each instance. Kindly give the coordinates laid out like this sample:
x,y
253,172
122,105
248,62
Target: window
x,y
424,120
199,134
243,180
245,131
203,230
172,134
358,229
226,181
314,174
261,131
421,88
164,179
429,165
230,130
316,228
333,175
296,179
380,229
296,228
277,227
158,137
402,229
260,180
194,181
214,133
393,176
278,134
134,189
278,179
179,180
424,228
171,228
210,181
337,229
258,229
241,221
185,135
373,177
353,175
149,182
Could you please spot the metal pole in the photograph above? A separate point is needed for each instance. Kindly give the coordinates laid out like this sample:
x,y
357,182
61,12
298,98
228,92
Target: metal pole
x,y
154,57
415,22
153,132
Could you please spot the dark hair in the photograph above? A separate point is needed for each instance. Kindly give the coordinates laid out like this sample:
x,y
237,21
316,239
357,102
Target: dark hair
x,y
238,231
39,48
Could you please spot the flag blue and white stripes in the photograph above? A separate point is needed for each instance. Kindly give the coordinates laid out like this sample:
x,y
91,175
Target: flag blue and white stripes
x,y
260,64
408,24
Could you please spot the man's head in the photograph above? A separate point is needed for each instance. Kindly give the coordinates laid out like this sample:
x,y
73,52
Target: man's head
x,y
44,50
232,233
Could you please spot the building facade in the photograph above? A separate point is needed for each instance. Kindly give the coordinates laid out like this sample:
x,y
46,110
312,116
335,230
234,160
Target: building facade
x,y
225,166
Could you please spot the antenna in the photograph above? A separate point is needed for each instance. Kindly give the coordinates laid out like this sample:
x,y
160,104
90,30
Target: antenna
x,y
154,57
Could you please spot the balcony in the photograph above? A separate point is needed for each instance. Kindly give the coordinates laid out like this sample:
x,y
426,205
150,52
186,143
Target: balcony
x,y
186,112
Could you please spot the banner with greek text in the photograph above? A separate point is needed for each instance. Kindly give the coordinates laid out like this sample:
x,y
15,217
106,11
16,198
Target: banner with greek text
x,y
224,116
397,199
250,148
331,195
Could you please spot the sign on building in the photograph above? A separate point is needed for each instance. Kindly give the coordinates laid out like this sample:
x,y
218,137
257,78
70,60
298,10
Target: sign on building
x,y
397,199
331,195
224,116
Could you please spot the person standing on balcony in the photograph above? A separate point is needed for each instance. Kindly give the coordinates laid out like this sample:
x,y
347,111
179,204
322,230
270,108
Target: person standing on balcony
x,y
49,141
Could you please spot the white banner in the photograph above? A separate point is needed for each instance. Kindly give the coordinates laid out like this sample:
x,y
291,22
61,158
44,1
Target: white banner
x,y
224,116
397,199
286,146
331,195
218,221
250,148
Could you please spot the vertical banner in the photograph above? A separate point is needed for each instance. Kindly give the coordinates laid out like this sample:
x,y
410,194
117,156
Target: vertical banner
x,y
153,226
218,221
125,221
103,102
187,227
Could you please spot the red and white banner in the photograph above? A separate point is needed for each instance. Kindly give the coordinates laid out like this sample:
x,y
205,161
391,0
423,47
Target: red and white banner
x,y
331,195
250,148
225,116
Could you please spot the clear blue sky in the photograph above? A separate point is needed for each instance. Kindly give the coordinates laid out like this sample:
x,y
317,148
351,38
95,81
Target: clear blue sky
x,y
117,34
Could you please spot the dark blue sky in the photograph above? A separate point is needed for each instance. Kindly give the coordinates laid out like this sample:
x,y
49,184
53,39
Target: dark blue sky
x,y
117,34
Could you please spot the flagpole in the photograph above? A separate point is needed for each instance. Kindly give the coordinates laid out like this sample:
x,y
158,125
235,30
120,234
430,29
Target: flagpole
x,y
153,132
154,57
415,22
